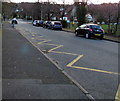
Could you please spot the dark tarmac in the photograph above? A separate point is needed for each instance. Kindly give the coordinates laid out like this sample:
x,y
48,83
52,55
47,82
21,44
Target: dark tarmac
x,y
28,74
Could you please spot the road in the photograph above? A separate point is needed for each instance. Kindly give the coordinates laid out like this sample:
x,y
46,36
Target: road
x,y
28,75
92,63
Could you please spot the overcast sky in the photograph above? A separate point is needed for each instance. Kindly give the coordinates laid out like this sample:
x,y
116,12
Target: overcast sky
x,y
70,1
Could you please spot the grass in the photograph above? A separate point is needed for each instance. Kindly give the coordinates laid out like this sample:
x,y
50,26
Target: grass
x,y
105,27
72,26
118,32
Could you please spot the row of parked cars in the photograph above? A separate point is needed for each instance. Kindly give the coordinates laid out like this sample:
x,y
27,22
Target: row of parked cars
x,y
48,24
87,30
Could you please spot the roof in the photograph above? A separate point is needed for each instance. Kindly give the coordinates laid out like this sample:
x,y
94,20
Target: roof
x,y
90,24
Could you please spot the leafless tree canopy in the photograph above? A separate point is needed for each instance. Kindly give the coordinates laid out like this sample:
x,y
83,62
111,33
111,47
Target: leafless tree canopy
x,y
104,11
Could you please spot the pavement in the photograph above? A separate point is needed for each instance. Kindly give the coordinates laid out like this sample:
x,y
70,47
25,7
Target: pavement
x,y
28,74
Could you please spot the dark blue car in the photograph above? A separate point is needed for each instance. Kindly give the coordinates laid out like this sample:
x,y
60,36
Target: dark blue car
x,y
56,25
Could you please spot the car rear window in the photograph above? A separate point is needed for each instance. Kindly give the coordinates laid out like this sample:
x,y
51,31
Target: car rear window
x,y
56,23
95,27
82,26
48,22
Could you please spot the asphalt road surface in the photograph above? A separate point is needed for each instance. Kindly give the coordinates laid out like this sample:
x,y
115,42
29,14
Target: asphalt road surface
x,y
92,63
28,74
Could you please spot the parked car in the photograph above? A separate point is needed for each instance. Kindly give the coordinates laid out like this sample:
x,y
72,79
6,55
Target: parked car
x,y
38,22
41,23
90,30
56,25
46,24
35,22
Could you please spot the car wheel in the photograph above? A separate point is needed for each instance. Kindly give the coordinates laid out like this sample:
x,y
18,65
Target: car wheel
x,y
76,33
87,36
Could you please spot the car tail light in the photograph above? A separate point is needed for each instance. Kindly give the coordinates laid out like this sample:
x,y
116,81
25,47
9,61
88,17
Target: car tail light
x,y
90,29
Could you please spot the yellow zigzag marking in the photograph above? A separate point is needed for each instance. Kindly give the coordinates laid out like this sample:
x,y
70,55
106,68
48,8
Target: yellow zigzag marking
x,y
71,64
84,68
117,97
44,40
59,46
